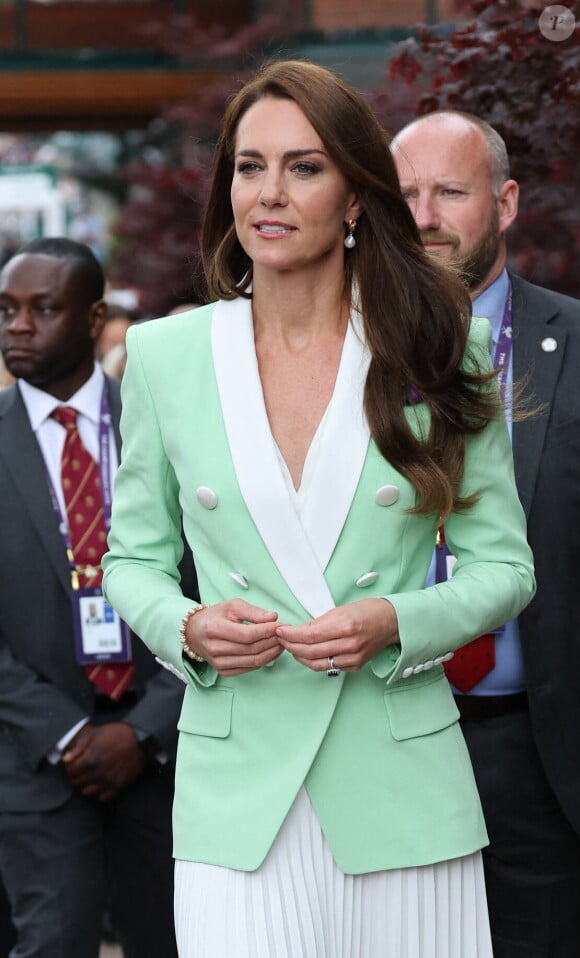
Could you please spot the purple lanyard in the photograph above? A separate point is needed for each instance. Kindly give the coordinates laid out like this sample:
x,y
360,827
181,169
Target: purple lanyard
x,y
501,356
106,485
503,348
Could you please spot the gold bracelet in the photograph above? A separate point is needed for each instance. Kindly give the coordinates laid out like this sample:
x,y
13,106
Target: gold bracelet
x,y
189,652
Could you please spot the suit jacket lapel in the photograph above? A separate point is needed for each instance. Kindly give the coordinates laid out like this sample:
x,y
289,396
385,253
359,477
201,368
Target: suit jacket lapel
x,y
24,461
342,453
115,407
533,332
300,550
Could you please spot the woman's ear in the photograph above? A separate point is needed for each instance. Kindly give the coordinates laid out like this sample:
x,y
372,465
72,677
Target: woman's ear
x,y
354,207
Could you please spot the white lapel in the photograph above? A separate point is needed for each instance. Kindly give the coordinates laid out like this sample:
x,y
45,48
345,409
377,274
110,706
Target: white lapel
x,y
343,448
300,550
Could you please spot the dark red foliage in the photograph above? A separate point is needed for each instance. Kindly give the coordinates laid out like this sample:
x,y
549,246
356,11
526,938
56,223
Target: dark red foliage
x,y
156,236
497,65
500,67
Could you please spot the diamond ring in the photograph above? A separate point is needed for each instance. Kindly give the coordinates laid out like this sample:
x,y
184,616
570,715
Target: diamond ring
x,y
332,669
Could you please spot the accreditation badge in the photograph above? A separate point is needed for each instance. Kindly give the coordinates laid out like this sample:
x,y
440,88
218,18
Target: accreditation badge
x,y
100,634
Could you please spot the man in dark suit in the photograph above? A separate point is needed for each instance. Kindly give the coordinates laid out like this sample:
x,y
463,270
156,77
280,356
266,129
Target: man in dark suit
x,y
86,770
522,719
7,931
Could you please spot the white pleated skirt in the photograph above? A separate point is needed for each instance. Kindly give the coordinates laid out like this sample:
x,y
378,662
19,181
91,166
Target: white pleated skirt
x,y
299,904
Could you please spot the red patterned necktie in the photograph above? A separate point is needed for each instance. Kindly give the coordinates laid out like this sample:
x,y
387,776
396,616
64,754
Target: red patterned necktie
x,y
81,487
473,661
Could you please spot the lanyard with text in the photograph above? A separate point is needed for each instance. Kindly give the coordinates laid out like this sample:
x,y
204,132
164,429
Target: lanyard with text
x,y
503,348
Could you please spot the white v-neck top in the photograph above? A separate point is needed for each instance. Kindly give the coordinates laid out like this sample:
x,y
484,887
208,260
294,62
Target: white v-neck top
x,y
299,496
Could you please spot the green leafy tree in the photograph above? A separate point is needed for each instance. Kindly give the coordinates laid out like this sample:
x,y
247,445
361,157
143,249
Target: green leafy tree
x,y
499,66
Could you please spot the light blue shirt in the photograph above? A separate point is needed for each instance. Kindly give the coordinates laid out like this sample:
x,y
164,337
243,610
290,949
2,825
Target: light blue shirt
x,y
508,674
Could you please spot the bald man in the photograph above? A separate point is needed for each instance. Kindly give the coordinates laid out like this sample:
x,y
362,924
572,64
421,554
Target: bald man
x,y
522,720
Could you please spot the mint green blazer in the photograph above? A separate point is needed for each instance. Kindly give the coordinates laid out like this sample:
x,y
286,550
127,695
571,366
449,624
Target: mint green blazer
x,y
379,751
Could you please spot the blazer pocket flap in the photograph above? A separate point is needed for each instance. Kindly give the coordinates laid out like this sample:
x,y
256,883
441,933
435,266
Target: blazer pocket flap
x,y
421,709
207,712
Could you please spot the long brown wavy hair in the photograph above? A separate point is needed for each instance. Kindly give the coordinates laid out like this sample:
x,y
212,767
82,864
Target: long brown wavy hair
x,y
416,311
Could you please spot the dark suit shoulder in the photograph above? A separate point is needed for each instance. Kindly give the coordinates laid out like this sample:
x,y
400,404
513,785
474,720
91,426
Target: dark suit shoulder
x,y
114,393
113,386
7,398
544,302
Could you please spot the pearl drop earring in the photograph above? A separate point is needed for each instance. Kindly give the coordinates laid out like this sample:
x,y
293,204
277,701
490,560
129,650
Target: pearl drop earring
x,y
349,240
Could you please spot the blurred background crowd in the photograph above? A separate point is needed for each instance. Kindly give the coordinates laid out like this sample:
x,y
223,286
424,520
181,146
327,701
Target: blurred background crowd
x,y
109,110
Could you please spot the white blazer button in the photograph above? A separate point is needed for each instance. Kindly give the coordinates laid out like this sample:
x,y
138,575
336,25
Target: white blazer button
x,y
549,344
387,495
407,673
367,579
447,657
239,579
206,497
